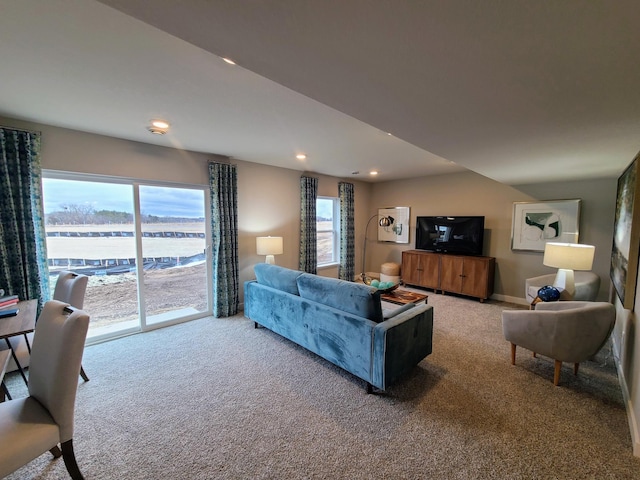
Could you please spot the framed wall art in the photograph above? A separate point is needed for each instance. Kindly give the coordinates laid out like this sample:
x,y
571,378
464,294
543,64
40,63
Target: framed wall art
x,y
397,230
536,223
626,235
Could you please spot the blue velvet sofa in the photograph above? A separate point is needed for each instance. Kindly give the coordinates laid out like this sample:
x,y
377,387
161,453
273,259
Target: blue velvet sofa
x,y
340,321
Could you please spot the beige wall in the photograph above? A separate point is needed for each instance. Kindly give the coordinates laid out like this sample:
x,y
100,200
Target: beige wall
x,y
471,194
268,200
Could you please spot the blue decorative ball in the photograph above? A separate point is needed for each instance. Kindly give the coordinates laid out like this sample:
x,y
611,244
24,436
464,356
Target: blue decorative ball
x,y
549,294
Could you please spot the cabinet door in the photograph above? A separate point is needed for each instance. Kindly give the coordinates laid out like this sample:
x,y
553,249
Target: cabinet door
x,y
474,277
451,275
411,268
430,274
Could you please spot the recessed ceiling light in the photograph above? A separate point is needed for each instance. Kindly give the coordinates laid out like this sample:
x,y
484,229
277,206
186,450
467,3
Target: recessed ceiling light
x,y
373,172
228,60
301,156
158,127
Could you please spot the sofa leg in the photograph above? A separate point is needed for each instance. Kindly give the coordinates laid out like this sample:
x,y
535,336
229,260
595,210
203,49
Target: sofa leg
x,y
575,368
513,354
556,372
369,388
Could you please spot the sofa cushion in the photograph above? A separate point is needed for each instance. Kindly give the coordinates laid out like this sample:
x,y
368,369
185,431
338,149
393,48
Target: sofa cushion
x,y
277,277
355,298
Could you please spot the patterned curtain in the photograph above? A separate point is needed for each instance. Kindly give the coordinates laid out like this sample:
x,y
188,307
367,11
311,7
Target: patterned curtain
x,y
308,230
23,254
224,238
347,270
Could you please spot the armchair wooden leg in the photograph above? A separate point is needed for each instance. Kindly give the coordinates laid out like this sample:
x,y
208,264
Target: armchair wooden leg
x,y
575,368
534,354
513,354
70,460
83,374
55,451
556,372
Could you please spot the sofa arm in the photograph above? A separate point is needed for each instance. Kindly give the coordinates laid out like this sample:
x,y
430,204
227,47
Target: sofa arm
x,y
400,343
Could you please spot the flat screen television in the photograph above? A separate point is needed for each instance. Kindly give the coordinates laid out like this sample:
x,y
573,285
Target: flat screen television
x,y
459,235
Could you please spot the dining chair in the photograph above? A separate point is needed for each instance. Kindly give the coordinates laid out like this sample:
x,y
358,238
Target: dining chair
x,y
70,288
38,423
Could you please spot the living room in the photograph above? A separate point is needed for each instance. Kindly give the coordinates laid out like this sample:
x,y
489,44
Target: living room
x,y
268,204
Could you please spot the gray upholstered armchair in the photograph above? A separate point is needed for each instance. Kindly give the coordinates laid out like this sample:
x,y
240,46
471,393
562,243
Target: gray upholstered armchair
x,y
565,331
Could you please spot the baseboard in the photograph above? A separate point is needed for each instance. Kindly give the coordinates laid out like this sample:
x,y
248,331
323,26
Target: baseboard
x,y
509,299
631,417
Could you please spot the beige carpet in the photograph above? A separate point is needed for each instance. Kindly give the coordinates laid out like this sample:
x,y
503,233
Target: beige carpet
x,y
216,398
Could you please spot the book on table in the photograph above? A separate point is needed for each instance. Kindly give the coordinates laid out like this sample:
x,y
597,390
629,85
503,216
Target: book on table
x,y
9,312
8,300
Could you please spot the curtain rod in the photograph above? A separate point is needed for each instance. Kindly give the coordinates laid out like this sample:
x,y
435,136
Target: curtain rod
x,y
21,129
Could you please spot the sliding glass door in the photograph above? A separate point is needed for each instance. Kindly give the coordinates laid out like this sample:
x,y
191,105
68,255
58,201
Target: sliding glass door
x,y
173,249
142,246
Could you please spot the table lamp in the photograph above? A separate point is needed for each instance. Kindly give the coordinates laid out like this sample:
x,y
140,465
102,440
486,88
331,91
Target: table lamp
x,y
269,246
567,257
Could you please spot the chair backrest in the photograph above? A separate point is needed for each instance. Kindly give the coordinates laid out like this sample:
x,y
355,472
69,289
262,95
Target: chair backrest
x,y
56,356
70,288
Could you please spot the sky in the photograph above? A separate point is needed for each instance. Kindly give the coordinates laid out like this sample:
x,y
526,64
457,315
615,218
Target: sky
x,y
324,208
160,201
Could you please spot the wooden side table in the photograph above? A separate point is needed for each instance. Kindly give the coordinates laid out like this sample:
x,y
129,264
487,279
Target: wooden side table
x,y
4,361
21,324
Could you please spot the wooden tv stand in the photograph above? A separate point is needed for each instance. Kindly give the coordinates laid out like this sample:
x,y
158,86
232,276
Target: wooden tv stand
x,y
462,274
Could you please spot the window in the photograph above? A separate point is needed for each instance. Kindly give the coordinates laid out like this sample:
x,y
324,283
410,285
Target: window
x,y
328,229
143,247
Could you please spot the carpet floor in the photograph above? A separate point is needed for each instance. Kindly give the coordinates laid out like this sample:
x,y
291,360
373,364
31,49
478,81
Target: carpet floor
x,y
218,399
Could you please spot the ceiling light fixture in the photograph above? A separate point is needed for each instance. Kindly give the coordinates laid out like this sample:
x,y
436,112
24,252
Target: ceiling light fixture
x,y
373,172
228,60
301,156
158,127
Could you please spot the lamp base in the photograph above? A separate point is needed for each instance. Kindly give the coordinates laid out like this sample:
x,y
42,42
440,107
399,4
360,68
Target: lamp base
x,y
565,280
270,260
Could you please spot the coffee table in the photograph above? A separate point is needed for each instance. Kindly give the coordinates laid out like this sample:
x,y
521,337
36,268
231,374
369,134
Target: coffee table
x,y
402,297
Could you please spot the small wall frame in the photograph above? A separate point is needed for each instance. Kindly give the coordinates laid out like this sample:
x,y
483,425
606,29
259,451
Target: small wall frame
x,y
398,230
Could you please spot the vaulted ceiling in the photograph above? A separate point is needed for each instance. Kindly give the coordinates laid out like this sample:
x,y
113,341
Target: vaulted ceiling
x,y
521,91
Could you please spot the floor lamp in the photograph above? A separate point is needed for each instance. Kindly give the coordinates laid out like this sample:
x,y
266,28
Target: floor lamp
x,y
567,257
383,222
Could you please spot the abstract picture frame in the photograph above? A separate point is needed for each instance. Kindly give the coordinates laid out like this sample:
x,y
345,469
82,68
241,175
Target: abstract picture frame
x,y
536,223
626,235
398,230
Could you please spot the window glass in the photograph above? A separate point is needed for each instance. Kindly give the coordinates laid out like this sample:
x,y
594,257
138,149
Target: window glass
x,y
328,227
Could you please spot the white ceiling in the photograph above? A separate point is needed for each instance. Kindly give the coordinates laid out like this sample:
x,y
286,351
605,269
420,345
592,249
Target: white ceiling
x,y
521,91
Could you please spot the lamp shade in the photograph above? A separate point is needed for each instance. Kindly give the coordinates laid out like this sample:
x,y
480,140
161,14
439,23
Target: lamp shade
x,y
269,245
570,256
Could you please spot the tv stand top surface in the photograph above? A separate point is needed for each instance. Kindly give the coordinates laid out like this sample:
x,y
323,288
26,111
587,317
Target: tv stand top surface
x,y
445,253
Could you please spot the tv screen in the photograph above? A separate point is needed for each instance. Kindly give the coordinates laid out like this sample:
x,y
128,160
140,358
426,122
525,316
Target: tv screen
x,y
460,235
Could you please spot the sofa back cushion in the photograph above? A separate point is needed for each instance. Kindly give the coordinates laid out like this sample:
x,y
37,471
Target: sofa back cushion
x,y
277,277
355,298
